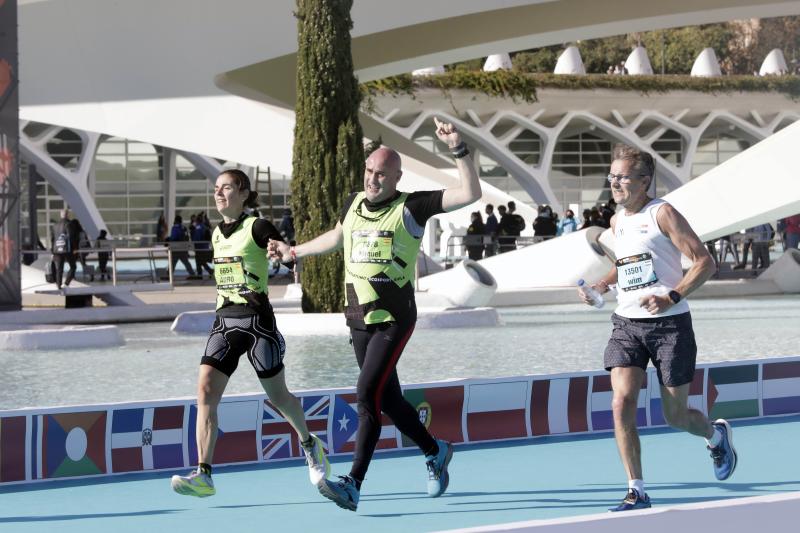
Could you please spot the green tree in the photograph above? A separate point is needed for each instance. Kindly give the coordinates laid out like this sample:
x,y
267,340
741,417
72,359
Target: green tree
x,y
328,158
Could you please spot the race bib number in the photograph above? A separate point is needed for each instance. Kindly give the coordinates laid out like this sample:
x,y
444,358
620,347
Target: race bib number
x,y
229,272
371,246
635,272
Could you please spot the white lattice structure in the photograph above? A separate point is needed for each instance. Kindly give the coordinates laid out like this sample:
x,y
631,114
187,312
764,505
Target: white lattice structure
x,y
492,126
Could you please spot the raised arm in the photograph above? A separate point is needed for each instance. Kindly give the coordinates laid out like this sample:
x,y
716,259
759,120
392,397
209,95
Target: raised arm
x,y
469,186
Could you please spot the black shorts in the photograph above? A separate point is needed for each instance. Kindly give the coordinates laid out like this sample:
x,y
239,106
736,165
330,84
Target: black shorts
x,y
256,335
667,341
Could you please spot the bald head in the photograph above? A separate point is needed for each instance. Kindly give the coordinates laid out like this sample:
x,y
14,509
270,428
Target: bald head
x,y
382,171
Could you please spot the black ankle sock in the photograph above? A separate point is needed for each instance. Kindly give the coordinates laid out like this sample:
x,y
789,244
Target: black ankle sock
x,y
433,451
205,468
356,481
309,443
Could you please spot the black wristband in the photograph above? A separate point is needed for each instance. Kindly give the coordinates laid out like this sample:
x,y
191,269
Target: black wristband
x,y
460,151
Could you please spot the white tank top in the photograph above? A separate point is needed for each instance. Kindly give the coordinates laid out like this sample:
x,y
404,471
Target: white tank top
x,y
647,262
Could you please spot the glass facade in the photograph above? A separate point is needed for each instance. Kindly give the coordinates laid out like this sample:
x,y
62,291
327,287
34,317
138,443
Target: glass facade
x,y
128,186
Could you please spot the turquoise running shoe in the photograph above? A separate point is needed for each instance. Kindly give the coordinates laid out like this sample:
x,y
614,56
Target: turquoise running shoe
x,y
724,454
195,484
632,502
438,478
343,492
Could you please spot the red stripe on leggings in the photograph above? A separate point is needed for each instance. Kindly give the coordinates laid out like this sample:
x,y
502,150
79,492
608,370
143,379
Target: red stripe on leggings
x,y
391,366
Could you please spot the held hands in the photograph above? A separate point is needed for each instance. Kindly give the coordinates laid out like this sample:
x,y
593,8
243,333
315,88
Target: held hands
x,y
447,133
655,304
278,250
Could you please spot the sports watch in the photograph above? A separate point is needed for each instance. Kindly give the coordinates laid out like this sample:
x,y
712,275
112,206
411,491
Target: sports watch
x,y
675,296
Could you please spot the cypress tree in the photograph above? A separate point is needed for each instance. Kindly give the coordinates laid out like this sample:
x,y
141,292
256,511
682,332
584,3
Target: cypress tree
x,y
328,158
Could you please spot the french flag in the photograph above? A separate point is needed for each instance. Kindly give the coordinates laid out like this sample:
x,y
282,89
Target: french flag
x,y
147,439
237,437
559,405
602,416
496,411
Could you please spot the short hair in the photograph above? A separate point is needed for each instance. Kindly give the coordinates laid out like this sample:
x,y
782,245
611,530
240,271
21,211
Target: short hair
x,y
490,206
644,163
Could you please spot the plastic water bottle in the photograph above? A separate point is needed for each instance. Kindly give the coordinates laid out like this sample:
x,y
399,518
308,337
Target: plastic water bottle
x,y
597,299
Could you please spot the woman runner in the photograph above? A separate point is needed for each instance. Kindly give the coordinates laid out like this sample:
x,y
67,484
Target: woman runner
x,y
244,323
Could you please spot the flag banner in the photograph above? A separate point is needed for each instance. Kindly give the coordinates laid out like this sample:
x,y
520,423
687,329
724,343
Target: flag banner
x,y
147,438
696,396
344,426
14,462
237,437
279,440
780,391
602,416
732,391
497,410
72,444
439,409
559,405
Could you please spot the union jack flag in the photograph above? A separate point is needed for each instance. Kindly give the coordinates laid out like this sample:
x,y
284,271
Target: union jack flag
x,y
279,440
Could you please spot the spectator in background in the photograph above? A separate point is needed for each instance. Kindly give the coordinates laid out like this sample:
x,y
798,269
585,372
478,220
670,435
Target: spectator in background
x,y
475,233
544,225
505,239
161,229
596,218
607,211
286,226
102,257
178,239
491,227
568,224
201,239
517,220
762,234
792,224
587,219
65,243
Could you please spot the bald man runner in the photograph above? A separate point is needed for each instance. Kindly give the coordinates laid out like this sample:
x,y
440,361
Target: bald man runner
x,y
381,231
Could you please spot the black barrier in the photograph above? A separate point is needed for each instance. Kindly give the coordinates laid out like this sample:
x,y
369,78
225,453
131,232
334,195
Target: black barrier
x,y
10,296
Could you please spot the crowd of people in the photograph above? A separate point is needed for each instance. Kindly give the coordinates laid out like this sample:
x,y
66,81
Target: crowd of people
x,y
488,237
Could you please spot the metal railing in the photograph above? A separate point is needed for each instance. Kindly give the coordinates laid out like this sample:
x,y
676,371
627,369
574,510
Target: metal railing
x,y
458,245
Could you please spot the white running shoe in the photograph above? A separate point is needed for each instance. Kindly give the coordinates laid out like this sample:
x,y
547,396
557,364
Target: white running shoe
x,y
195,484
318,466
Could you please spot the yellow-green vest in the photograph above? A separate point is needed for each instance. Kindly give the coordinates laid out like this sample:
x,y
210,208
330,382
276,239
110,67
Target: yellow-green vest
x,y
380,257
240,265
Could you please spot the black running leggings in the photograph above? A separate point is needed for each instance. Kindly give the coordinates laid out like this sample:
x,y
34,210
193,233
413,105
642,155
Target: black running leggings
x,y
378,349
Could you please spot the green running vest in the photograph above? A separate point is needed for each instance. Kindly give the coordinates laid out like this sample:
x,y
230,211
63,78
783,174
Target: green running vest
x,y
240,265
380,256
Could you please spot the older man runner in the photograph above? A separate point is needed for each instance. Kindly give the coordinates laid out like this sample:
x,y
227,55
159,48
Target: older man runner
x,y
381,231
652,320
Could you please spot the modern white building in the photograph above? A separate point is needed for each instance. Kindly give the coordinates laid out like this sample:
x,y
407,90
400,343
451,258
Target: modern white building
x,y
128,108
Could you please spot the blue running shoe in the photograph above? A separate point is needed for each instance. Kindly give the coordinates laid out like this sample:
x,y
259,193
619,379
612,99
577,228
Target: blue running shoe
x,y
724,455
343,492
438,478
632,502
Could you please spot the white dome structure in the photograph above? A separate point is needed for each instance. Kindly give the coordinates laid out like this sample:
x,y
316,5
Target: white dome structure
x,y
497,62
429,71
774,64
638,63
570,62
706,64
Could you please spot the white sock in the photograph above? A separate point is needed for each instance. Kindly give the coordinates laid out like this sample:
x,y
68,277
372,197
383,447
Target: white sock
x,y
716,438
637,485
